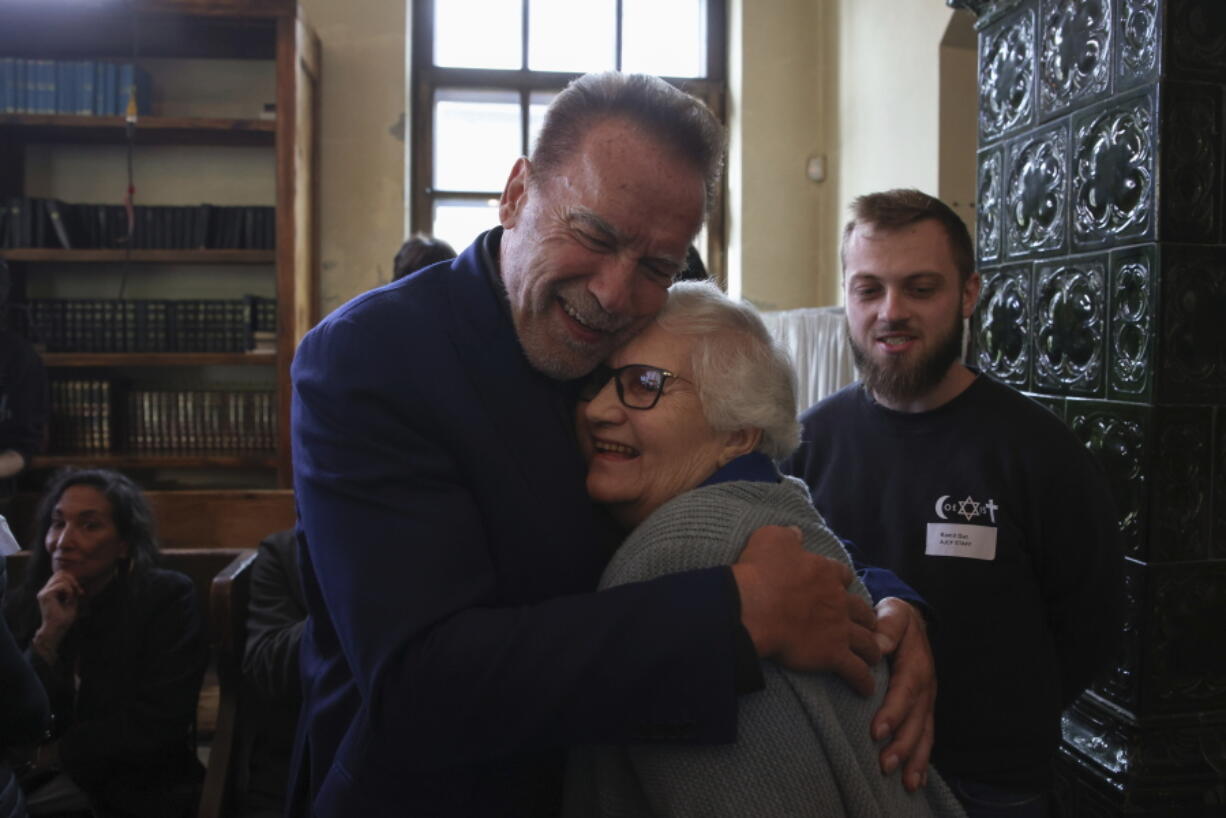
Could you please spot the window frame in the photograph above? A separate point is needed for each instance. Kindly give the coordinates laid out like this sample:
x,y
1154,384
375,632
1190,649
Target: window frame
x,y
425,78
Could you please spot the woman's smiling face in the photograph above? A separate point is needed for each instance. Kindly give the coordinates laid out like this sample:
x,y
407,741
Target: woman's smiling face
x,y
640,459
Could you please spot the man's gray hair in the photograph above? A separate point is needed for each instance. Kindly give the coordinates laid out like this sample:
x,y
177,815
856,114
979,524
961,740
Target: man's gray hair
x,y
744,379
680,122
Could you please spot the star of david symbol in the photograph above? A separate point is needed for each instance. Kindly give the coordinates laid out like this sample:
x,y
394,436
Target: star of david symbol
x,y
968,508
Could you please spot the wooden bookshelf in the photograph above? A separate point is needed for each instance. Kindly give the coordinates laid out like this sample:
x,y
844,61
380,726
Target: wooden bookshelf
x,y
149,130
149,460
270,31
142,359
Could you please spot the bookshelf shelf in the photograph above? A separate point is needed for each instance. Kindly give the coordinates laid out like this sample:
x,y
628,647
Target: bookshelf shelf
x,y
85,359
46,254
149,460
225,60
150,130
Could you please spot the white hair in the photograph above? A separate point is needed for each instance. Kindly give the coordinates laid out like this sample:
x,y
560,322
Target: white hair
x,y
744,379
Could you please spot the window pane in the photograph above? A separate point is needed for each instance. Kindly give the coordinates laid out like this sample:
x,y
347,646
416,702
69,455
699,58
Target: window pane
x,y
571,35
476,139
478,33
665,37
458,222
538,101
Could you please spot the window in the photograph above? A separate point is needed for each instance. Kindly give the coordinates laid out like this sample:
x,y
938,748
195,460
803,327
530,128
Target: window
x,y
484,71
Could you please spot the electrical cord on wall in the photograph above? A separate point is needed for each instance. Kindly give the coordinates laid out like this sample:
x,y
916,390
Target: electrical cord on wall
x,y
130,117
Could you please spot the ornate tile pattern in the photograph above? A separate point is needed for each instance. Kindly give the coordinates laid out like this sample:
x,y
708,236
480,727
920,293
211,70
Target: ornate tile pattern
x,y
1193,329
1006,76
1197,45
1002,325
1191,162
1036,193
1075,54
1132,297
1183,445
1137,27
1069,326
1118,436
988,206
1113,173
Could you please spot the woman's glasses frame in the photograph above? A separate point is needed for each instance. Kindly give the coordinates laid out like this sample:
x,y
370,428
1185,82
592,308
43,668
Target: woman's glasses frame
x,y
643,382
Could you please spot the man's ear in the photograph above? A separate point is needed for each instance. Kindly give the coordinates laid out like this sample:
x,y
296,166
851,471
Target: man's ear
x,y
739,442
514,193
970,294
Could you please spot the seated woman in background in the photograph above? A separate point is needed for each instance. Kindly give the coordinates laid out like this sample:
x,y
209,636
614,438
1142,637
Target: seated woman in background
x,y
681,430
120,649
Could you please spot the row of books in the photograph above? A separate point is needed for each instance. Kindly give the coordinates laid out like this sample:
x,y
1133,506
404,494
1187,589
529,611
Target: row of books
x,y
27,221
79,87
94,415
151,325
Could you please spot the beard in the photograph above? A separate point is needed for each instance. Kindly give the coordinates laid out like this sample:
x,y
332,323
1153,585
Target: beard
x,y
551,349
900,381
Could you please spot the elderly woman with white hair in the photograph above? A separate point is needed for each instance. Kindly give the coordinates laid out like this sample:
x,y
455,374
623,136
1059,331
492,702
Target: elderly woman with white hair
x,y
681,430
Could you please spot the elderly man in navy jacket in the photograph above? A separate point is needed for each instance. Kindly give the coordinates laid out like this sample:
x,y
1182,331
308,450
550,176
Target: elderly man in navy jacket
x,y
455,646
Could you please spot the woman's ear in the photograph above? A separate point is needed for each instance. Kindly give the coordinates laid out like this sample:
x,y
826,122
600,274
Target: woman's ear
x,y
739,442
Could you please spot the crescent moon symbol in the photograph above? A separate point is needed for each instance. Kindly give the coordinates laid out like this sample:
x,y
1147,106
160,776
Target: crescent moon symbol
x,y
940,502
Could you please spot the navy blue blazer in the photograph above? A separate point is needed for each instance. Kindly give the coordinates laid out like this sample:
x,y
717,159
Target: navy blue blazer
x,y
455,646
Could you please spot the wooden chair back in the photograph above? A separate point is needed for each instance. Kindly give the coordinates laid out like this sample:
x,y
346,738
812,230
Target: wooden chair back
x,y
229,595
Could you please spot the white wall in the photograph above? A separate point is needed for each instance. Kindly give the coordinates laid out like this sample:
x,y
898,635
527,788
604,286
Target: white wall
x,y
889,93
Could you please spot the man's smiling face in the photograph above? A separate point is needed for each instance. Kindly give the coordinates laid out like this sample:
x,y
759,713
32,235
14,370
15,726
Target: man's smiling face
x,y
589,252
905,302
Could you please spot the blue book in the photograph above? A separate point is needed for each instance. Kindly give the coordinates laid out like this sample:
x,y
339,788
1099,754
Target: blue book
x,y
46,87
105,93
8,88
96,104
85,87
126,77
61,87
21,85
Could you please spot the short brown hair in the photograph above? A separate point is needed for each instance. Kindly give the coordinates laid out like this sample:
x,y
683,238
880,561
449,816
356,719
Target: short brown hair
x,y
901,207
677,120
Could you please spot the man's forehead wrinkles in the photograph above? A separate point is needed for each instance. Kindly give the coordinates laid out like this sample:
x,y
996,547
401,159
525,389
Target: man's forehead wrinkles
x,y
593,219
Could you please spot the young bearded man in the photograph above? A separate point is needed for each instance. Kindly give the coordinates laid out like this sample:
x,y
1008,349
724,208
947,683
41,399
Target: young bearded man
x,y
978,497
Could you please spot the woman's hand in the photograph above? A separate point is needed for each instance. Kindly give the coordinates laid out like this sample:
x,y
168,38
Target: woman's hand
x,y
59,603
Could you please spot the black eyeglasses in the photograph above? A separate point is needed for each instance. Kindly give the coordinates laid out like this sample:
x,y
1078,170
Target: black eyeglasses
x,y
639,386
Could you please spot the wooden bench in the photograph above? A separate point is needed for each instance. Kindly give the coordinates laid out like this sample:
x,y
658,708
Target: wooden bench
x,y
199,518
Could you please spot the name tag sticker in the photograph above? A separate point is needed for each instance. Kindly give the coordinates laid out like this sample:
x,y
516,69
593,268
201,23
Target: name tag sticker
x,y
977,542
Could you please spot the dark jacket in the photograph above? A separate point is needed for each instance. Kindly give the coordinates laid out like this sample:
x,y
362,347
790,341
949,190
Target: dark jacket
x,y
276,614
125,734
455,644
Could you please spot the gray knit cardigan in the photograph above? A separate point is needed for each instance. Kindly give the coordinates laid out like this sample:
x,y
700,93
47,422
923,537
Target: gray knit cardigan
x,y
803,746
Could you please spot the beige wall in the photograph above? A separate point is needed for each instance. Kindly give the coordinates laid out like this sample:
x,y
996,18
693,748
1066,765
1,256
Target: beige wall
x,y
959,116
361,143
779,92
